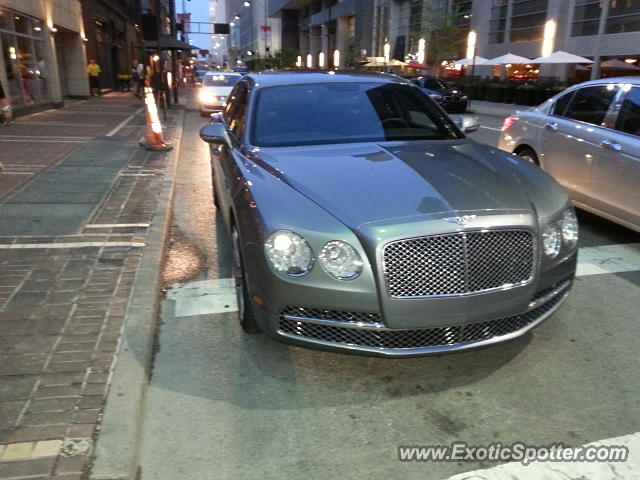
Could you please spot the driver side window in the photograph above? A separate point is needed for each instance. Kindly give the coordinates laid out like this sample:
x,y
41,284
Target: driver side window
x,y
236,110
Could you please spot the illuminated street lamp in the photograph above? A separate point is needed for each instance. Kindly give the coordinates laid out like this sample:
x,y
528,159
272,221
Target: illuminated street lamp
x,y
549,37
336,58
387,51
471,53
321,60
299,61
309,60
421,47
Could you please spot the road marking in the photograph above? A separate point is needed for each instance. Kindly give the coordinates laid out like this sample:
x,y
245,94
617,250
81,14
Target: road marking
x,y
549,470
204,297
71,245
608,259
55,137
33,140
491,128
59,124
124,122
117,225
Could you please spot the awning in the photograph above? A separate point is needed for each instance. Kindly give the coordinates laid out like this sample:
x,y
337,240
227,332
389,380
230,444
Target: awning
x,y
561,57
168,43
509,58
468,61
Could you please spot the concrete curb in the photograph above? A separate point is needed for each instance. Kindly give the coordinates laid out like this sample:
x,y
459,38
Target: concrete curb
x,y
116,451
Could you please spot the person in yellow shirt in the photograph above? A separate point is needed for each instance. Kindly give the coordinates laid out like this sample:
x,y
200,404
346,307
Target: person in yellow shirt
x,y
94,71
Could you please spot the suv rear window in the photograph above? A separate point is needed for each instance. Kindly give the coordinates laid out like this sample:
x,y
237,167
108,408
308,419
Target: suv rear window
x,y
590,104
629,117
221,80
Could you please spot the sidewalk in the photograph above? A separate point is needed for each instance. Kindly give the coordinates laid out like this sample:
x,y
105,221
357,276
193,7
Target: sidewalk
x,y
81,207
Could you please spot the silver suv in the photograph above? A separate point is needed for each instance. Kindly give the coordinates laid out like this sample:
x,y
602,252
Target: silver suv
x,y
588,138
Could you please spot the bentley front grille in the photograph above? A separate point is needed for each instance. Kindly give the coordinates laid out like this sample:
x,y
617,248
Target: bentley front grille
x,y
380,337
459,263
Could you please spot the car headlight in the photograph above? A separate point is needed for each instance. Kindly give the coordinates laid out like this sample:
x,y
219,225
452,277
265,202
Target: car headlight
x,y
569,226
551,240
288,253
207,97
464,97
340,260
435,96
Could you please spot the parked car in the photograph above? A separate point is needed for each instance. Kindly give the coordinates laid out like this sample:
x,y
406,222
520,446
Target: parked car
x,y
363,220
215,90
588,138
449,98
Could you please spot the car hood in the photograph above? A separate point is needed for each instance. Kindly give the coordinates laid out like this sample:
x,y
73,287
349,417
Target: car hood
x,y
372,182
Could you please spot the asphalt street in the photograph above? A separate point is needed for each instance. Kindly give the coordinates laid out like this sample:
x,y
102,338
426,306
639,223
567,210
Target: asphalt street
x,y
225,405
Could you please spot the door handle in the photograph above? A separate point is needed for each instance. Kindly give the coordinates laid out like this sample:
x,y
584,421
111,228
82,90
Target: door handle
x,y
610,145
551,126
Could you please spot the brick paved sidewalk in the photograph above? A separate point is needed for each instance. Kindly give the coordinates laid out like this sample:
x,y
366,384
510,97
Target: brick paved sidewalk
x,y
63,297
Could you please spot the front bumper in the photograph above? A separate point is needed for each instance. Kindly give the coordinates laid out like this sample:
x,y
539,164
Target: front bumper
x,y
212,107
363,334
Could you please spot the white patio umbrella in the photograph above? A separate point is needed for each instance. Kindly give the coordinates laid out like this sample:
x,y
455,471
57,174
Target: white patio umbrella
x,y
616,64
469,61
561,57
507,59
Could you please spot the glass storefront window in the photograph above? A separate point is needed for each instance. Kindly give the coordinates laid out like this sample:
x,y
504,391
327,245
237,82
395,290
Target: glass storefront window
x,y
22,46
628,23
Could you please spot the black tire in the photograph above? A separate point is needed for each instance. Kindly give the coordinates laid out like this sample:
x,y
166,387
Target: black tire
x,y
529,155
246,314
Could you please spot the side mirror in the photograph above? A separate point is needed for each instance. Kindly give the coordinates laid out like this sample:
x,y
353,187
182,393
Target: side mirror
x,y
468,124
214,133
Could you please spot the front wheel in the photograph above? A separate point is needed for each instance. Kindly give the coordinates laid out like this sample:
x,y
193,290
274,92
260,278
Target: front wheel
x,y
246,314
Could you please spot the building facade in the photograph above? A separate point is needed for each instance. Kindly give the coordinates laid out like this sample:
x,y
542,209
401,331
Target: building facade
x,y
115,38
316,29
595,29
253,31
43,52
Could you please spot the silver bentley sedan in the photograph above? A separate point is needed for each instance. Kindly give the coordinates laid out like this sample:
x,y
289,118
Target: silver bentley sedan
x,y
363,220
588,138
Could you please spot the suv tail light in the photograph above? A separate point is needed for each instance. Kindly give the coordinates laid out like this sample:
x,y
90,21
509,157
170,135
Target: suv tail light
x,y
510,120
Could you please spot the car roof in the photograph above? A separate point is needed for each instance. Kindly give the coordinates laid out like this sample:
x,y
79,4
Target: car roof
x,y
271,78
635,80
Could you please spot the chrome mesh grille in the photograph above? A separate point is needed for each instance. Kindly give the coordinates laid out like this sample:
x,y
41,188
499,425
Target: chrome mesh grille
x,y
332,315
425,337
458,263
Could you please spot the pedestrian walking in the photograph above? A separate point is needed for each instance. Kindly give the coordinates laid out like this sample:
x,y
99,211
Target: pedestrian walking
x,y
5,107
94,71
137,73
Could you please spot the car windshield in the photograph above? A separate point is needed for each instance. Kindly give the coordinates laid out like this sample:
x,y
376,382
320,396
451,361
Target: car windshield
x,y
315,114
221,80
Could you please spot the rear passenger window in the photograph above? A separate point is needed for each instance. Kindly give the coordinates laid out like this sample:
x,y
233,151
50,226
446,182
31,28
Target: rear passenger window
x,y
561,105
590,104
629,117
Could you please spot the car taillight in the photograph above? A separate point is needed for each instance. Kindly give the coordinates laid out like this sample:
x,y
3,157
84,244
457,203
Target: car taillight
x,y
508,122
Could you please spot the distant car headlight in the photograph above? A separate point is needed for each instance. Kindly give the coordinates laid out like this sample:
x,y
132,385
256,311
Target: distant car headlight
x,y
464,97
551,240
207,97
569,226
288,253
340,260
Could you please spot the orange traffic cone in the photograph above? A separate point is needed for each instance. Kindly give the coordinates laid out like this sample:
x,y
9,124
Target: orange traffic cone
x,y
153,140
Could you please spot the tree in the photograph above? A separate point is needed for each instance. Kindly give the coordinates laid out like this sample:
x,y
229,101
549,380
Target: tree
x,y
444,37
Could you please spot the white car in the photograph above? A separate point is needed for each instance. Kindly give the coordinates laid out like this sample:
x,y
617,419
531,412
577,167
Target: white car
x,y
587,138
216,87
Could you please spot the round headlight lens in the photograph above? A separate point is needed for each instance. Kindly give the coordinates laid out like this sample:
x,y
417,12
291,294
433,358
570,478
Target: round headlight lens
x,y
288,253
551,240
569,225
340,260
